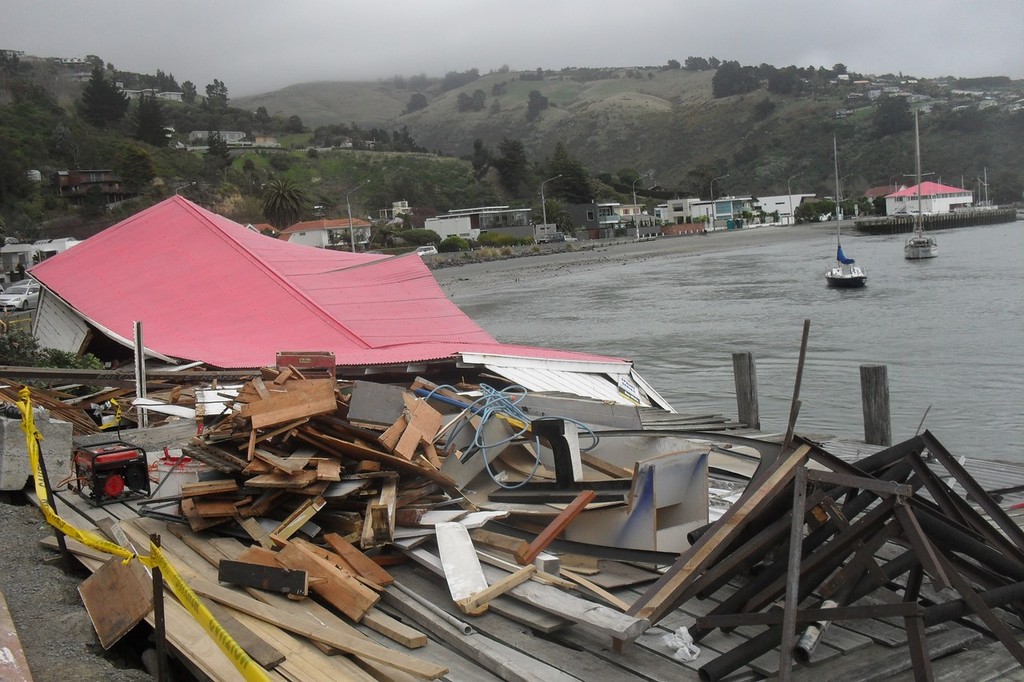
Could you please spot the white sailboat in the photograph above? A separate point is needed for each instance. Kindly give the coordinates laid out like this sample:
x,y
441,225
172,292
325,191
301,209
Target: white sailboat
x,y
845,273
920,245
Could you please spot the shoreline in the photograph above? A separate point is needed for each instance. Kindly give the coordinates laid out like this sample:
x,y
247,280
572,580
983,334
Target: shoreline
x,y
460,278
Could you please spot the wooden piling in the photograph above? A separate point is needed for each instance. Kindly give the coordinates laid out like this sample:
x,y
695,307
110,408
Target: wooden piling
x,y
745,373
874,388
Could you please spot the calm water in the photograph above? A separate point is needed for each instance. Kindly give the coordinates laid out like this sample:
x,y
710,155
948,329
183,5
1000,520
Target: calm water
x,y
949,329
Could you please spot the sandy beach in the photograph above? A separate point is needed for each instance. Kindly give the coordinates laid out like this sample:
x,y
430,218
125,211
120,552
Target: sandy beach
x,y
569,258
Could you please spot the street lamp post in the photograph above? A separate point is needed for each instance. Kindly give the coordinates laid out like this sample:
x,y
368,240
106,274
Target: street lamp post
x,y
635,221
544,206
348,207
711,213
789,192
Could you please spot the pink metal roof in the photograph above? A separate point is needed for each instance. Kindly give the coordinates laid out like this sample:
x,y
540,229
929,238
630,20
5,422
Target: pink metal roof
x,y
928,189
208,289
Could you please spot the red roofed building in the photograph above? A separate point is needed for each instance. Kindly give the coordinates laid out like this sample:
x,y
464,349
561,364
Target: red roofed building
x,y
207,289
327,233
935,198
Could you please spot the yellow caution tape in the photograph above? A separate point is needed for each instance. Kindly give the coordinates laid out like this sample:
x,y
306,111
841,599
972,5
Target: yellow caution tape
x,y
251,671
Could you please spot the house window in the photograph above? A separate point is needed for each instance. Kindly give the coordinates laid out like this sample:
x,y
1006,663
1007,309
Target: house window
x,y
590,215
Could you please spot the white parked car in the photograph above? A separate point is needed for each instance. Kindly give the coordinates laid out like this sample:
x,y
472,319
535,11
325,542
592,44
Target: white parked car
x,y
428,250
20,296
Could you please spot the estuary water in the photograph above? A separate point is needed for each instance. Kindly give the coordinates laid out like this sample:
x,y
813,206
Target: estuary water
x,y
949,329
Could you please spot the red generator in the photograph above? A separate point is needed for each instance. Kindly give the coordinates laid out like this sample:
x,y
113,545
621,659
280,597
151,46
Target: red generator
x,y
111,472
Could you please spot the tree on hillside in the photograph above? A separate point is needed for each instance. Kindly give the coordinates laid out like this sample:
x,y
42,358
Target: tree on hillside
x,y
217,95
261,120
892,116
135,166
536,104
282,202
481,159
188,92
733,79
574,185
417,101
149,122
512,164
217,156
102,104
672,65
696,64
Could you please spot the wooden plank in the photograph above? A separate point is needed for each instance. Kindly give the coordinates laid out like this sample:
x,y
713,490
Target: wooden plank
x,y
358,563
500,542
462,569
288,465
117,597
307,398
313,629
214,508
281,480
328,469
272,579
224,486
597,589
424,422
338,588
256,531
482,598
557,525
13,664
505,661
297,519
553,600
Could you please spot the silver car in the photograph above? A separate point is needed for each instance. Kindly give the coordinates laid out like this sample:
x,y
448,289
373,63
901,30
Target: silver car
x,y
20,296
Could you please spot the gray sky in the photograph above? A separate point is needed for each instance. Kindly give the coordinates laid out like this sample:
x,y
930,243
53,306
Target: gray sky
x,y
254,46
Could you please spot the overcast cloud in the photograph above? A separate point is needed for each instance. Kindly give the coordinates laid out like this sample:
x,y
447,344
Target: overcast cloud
x,y
255,46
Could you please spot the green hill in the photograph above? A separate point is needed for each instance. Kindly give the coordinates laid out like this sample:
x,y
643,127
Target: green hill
x,y
668,121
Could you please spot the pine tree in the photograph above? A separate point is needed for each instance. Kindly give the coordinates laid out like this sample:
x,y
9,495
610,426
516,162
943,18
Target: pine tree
x,y
149,122
102,104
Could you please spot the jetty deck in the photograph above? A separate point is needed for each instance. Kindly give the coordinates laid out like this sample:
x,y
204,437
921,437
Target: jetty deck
x,y
516,640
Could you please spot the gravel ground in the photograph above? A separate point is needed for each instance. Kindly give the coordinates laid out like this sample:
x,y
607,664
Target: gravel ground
x,y
56,633
53,625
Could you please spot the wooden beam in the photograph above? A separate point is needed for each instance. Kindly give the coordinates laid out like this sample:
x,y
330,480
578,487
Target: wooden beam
x,y
479,601
271,579
555,528
338,588
674,583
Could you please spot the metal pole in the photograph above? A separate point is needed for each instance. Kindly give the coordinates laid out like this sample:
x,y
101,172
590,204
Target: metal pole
x,y
543,205
789,192
348,207
162,673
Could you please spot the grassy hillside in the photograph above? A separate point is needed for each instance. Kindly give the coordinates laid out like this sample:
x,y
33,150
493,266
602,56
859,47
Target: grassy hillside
x,y
668,122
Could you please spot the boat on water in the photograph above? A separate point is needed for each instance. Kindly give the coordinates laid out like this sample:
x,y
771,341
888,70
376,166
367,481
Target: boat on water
x,y
845,274
920,245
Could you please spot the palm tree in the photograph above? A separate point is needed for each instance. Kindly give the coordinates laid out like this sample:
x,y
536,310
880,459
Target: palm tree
x,y
282,202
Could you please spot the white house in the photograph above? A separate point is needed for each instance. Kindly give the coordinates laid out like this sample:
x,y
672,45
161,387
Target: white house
x,y
784,204
452,226
935,198
675,211
328,233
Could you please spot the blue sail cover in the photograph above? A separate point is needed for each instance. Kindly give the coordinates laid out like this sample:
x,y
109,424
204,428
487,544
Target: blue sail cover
x,y
842,257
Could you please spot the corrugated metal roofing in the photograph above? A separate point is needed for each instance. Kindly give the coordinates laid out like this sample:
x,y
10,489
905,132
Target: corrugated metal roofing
x,y
208,289
927,189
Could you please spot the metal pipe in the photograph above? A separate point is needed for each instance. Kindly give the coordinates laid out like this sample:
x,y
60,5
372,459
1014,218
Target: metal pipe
x,y
957,608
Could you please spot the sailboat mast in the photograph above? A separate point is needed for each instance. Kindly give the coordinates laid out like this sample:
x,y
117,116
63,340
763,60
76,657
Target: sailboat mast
x,y
835,154
917,144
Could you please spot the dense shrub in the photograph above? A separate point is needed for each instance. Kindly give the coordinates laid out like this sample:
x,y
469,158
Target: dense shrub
x,y
453,244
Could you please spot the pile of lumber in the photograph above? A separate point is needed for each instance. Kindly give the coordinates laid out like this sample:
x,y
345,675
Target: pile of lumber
x,y
288,452
816,540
